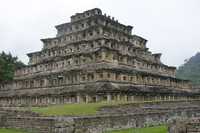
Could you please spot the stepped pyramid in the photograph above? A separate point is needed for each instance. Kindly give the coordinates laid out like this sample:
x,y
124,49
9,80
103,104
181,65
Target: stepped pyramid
x,y
93,58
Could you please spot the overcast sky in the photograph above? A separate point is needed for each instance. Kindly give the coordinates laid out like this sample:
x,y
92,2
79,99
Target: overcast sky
x,y
171,27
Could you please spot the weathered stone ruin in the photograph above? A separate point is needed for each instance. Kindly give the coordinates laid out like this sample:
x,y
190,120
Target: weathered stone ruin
x,y
191,125
109,118
94,58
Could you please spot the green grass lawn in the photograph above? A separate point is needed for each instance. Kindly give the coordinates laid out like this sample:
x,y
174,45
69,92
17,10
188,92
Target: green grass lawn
x,y
158,129
68,109
78,108
2,130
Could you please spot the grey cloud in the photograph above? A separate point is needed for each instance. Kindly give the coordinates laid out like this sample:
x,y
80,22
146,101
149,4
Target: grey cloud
x,y
171,27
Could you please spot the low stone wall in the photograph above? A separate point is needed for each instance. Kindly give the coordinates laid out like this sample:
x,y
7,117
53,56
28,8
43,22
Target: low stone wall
x,y
25,120
38,124
102,123
42,125
91,124
193,128
185,126
149,107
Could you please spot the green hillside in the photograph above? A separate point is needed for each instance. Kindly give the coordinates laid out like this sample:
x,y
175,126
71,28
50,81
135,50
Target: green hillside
x,y
190,70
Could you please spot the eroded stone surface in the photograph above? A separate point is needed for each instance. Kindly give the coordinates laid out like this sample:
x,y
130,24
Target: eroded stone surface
x,y
94,58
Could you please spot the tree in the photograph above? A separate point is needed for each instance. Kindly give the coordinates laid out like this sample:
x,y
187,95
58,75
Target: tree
x,y
8,65
190,70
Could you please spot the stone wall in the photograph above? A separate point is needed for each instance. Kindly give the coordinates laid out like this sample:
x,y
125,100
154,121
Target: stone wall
x,y
103,123
34,123
43,125
91,124
94,92
45,100
191,125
